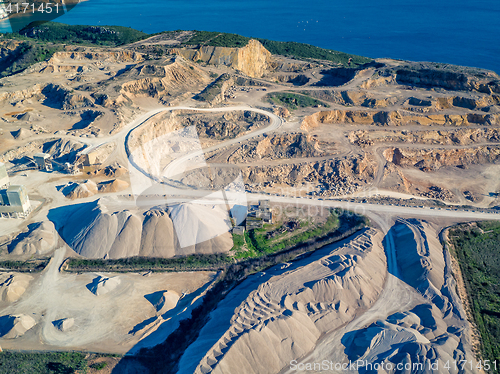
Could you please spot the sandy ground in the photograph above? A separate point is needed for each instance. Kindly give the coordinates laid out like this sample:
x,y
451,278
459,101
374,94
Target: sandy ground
x,y
113,321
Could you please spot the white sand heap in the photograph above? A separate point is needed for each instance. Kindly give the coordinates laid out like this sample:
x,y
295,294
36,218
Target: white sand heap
x,y
93,232
413,337
30,116
78,190
14,326
102,285
431,333
114,185
22,134
198,223
64,324
164,301
13,286
41,240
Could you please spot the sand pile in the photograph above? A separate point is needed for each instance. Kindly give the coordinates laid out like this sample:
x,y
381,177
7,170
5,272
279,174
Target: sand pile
x,y
40,240
94,232
102,285
88,188
13,286
78,190
63,150
284,317
114,185
421,262
433,332
196,223
113,171
22,134
163,300
64,324
417,337
30,117
14,326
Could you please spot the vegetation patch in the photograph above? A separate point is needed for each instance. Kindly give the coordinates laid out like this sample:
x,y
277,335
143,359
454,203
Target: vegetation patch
x,y
301,50
42,363
78,34
294,101
24,55
99,365
185,263
477,249
217,39
27,266
289,49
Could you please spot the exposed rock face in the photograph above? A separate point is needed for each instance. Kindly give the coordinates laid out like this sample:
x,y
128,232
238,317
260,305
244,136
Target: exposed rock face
x,y
461,136
208,125
332,174
277,146
97,55
449,79
172,77
281,112
434,159
215,92
253,59
396,118
22,94
60,149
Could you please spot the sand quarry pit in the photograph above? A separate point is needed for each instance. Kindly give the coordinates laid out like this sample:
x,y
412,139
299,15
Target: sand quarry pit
x,y
343,302
280,314
103,312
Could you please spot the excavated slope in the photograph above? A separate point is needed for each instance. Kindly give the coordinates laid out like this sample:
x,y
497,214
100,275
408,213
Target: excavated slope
x,y
253,59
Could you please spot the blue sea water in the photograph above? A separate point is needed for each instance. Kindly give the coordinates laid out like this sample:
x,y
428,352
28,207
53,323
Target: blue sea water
x,y
452,31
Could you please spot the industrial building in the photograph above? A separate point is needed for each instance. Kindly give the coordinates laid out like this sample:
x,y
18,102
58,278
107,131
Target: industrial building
x,y
91,158
42,161
264,211
239,230
257,217
253,223
14,202
4,177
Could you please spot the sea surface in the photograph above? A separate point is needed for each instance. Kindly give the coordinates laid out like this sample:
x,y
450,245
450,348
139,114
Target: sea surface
x,y
451,31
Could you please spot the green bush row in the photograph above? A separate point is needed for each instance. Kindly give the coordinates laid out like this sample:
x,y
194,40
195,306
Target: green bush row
x,y
78,34
294,101
290,49
477,249
42,363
